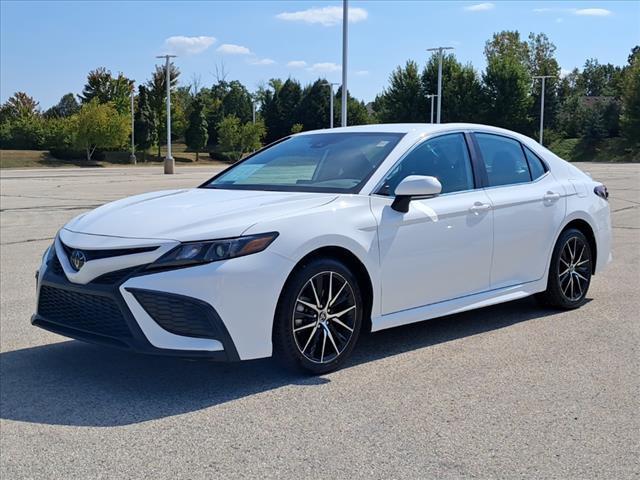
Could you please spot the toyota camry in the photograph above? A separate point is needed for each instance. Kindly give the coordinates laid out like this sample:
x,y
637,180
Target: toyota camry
x,y
300,247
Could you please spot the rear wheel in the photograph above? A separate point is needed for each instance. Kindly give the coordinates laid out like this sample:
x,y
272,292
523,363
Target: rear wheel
x,y
319,317
569,272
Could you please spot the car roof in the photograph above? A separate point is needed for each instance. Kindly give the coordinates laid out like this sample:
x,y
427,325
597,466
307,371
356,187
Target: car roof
x,y
417,129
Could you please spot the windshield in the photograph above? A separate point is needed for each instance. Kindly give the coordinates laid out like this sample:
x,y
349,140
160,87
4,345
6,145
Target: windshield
x,y
323,162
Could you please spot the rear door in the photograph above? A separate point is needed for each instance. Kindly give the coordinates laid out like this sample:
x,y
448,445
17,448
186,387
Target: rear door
x,y
528,209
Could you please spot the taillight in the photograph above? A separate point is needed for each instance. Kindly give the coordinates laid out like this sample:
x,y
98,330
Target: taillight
x,y
601,191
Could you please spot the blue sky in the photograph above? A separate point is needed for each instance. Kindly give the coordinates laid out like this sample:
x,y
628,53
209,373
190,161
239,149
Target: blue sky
x,y
47,48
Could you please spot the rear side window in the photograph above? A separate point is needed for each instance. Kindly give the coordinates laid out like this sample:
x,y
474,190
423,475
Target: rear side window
x,y
535,164
504,160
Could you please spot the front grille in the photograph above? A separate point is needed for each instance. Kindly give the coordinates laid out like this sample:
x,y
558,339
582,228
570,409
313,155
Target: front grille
x,y
107,253
81,311
178,314
110,278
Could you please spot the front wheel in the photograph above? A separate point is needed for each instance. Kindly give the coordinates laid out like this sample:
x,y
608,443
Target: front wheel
x,y
318,318
569,272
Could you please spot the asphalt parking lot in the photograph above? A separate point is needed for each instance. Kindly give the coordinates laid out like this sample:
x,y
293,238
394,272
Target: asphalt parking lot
x,y
511,391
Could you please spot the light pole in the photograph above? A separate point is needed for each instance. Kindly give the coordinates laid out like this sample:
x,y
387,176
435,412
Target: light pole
x,y
345,37
431,96
330,85
543,77
439,50
169,162
132,157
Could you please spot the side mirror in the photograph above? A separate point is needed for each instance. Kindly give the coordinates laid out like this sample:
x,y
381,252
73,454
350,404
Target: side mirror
x,y
415,186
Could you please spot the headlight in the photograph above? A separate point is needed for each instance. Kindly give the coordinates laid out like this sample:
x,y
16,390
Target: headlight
x,y
194,253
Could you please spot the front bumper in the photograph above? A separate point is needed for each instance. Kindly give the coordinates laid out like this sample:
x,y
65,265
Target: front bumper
x,y
97,312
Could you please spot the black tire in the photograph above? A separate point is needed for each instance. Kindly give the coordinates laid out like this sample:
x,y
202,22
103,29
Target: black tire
x,y
315,276
568,284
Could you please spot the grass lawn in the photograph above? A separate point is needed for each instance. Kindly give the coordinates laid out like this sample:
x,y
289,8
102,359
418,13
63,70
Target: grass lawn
x,y
607,150
42,158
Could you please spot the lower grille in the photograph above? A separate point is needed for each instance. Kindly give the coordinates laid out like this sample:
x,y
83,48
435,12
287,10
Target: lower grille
x,y
55,266
178,314
115,277
86,312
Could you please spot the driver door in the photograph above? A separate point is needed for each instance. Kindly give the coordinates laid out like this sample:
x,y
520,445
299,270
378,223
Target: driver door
x,y
441,248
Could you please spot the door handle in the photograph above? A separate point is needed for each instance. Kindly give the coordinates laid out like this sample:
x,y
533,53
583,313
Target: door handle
x,y
478,208
551,197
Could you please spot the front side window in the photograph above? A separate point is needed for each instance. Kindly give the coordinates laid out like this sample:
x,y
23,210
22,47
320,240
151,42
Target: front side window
x,y
323,162
504,160
445,157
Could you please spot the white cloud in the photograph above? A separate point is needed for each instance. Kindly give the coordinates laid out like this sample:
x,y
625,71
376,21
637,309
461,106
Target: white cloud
x,y
231,49
326,16
262,61
559,20
362,73
188,45
480,7
592,12
296,64
583,12
324,67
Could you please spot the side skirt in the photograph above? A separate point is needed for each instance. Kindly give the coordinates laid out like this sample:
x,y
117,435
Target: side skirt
x,y
458,305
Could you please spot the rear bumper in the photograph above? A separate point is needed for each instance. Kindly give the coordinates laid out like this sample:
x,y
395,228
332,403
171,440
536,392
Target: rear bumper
x,y
98,313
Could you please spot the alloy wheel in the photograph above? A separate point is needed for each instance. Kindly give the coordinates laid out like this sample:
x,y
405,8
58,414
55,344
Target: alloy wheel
x,y
574,269
324,317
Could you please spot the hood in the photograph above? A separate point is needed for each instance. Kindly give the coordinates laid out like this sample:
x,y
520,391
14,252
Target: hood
x,y
194,214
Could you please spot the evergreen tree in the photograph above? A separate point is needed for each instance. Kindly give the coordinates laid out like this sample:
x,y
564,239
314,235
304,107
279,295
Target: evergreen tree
x,y
196,135
145,123
157,90
403,100
67,106
314,107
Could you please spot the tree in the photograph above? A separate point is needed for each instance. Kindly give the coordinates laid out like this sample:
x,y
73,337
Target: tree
x,y
60,132
237,101
462,99
237,138
101,126
67,106
105,88
630,121
196,135
403,100
542,62
19,106
507,44
313,112
506,84
280,108
157,90
357,113
597,80
145,123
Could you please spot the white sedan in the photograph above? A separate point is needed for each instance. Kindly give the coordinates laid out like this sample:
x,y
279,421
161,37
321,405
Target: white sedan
x,y
297,249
